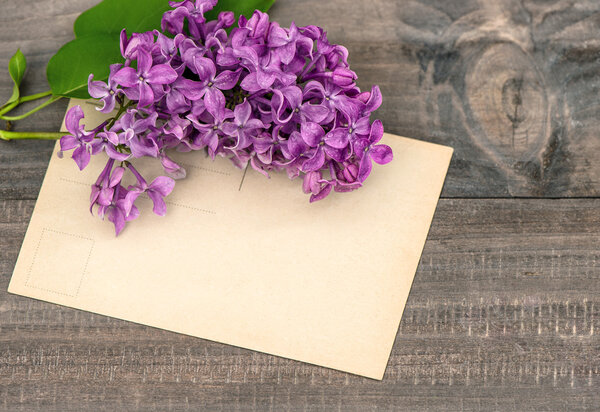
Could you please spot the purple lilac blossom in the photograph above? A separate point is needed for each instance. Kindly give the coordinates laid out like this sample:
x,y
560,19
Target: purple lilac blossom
x,y
78,139
274,98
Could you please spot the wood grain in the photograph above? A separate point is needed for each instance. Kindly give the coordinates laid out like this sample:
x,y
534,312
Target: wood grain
x,y
504,313
511,85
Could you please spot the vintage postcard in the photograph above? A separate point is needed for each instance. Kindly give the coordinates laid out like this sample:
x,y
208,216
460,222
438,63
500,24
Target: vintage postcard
x,y
242,259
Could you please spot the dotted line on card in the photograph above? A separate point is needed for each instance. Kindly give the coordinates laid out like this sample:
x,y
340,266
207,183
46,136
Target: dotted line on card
x,y
75,182
206,169
169,202
69,234
85,267
210,212
35,252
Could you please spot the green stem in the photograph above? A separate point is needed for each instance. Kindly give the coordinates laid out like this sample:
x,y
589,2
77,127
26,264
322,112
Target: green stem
x,y
4,135
40,107
35,96
9,107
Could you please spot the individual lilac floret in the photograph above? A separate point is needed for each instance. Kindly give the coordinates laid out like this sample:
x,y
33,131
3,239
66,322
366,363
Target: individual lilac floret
x,y
144,84
160,187
367,150
261,95
243,128
107,93
109,195
78,138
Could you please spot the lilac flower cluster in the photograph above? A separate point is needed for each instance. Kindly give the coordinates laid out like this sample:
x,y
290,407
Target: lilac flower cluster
x,y
271,97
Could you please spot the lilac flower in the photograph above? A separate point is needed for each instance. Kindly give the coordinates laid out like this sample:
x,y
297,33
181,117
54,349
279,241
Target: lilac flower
x,y
263,72
373,101
350,173
213,84
102,183
353,126
177,126
133,127
143,84
367,150
266,144
173,169
288,104
297,148
224,20
173,21
257,26
333,55
181,93
342,77
167,48
330,145
332,97
130,47
78,138
274,98
116,210
211,128
103,191
107,93
285,42
109,195
160,187
346,174
108,141
315,185
243,127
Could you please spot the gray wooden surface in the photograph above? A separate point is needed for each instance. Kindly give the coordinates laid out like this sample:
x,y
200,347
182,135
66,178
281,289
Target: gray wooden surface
x,y
504,313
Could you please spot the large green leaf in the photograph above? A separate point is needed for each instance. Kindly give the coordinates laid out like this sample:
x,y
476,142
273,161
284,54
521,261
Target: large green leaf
x,y
16,69
68,70
112,16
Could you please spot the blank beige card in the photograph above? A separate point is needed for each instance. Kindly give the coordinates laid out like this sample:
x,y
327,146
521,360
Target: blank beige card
x,y
242,259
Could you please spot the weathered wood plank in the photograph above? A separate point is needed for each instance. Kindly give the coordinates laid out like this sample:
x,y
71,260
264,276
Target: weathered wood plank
x,y
39,29
504,314
511,85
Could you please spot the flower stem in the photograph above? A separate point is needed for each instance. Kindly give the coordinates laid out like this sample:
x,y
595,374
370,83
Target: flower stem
x,y
41,106
5,135
8,108
35,96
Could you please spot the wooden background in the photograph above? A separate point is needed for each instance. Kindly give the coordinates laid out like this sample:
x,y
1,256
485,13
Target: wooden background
x,y
504,313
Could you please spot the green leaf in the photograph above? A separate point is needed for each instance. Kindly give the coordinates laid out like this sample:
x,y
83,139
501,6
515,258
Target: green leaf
x,y
16,69
68,70
17,66
112,16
